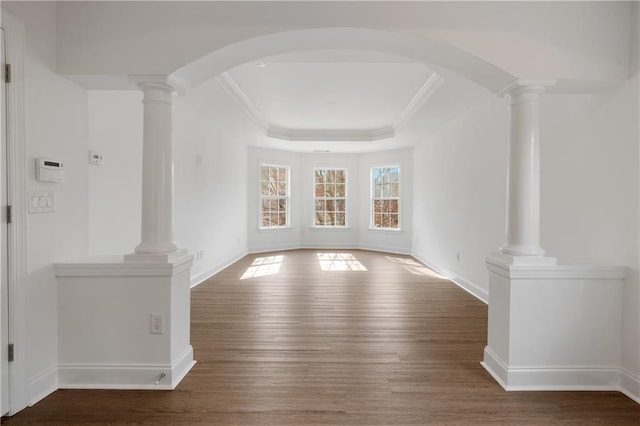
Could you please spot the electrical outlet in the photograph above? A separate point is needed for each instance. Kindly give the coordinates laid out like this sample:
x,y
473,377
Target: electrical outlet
x,y
156,324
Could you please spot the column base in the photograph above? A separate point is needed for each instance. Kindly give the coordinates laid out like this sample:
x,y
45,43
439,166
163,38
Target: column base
x,y
106,339
553,326
170,257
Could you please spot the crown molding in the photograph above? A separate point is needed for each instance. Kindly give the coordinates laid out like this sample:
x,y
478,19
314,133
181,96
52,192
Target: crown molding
x,y
328,135
243,101
427,90
357,135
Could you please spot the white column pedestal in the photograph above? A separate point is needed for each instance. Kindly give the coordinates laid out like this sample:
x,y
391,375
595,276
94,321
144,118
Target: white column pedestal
x,y
554,326
104,324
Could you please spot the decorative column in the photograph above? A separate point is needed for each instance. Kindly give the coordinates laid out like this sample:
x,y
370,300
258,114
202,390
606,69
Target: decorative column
x,y
157,243
523,182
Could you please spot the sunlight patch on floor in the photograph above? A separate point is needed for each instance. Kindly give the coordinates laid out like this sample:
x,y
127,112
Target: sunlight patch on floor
x,y
339,262
414,267
263,266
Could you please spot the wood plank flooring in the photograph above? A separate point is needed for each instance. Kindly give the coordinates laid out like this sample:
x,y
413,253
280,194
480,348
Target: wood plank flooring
x,y
392,345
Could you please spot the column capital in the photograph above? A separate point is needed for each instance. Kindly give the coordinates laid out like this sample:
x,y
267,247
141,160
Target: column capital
x,y
159,81
526,86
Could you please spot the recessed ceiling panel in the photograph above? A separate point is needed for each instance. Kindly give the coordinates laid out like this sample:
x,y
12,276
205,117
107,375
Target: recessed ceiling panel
x,y
332,93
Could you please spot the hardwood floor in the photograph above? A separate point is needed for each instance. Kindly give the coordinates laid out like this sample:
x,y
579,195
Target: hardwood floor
x,y
392,345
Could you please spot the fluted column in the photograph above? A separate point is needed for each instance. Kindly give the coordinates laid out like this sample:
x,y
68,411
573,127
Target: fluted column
x,y
523,181
157,240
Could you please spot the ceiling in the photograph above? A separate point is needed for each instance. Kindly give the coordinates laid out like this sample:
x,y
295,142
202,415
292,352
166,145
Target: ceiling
x,y
338,101
331,95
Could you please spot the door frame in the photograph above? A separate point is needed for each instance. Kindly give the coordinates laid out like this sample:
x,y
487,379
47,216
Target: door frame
x,y
16,197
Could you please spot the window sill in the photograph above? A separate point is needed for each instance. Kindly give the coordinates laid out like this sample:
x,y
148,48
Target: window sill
x,y
282,229
331,228
386,230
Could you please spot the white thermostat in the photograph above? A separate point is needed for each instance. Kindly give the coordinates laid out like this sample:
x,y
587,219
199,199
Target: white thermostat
x,y
49,170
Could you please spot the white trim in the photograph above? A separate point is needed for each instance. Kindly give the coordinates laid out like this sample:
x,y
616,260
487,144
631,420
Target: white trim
x,y
254,114
122,376
630,385
551,378
400,198
329,246
384,249
42,386
17,198
243,101
465,284
556,271
424,93
114,266
269,248
347,215
261,164
330,135
205,275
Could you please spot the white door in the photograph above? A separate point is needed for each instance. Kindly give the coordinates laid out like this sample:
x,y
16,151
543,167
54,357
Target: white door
x,y
4,295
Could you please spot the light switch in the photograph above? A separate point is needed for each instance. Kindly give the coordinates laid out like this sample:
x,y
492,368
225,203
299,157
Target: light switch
x,y
42,202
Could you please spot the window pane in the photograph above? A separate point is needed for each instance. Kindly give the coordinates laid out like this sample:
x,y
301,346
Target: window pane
x,y
321,205
264,189
340,219
340,205
318,176
377,220
386,191
282,219
393,206
273,205
393,221
319,218
282,203
281,189
282,174
394,190
331,176
264,173
273,174
331,205
340,190
266,221
377,193
340,176
330,190
319,190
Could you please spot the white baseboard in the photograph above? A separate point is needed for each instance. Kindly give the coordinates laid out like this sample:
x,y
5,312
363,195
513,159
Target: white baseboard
x,y
552,378
203,276
101,376
385,249
467,285
630,385
329,246
273,247
42,386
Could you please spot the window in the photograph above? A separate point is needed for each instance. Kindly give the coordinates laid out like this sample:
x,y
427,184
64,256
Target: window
x,y
385,191
330,197
274,196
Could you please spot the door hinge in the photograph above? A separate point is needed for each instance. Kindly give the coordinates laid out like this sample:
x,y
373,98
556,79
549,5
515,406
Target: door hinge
x,y
10,352
7,73
9,214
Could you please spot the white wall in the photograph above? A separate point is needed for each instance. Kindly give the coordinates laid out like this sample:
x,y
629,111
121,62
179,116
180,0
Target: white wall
x,y
590,187
316,237
459,193
56,127
115,187
392,241
208,196
302,232
267,240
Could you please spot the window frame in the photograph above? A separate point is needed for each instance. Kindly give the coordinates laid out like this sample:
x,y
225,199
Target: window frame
x,y
372,197
287,197
345,198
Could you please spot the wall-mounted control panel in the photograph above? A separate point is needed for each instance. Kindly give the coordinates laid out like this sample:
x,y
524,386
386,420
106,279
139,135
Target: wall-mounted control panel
x,y
49,170
95,157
